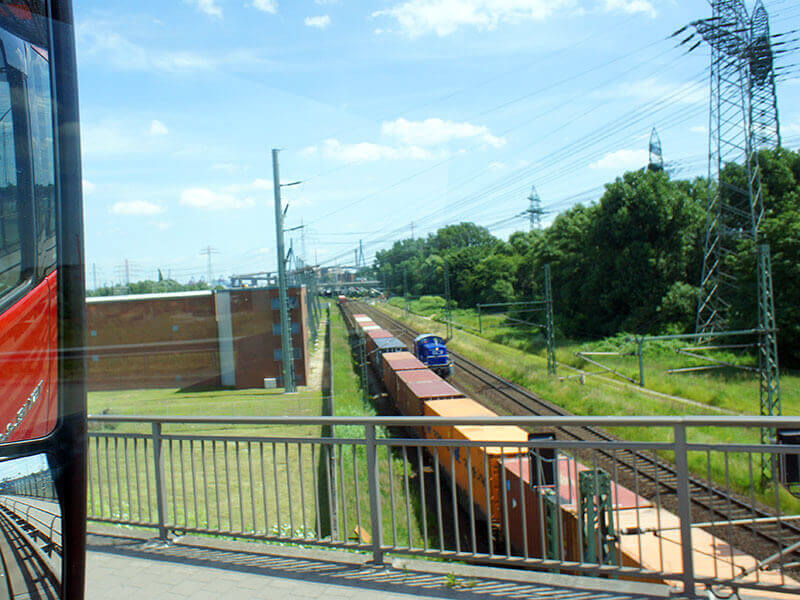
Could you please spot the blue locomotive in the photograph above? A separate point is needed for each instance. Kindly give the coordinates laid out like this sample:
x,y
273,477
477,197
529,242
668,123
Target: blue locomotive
x,y
431,350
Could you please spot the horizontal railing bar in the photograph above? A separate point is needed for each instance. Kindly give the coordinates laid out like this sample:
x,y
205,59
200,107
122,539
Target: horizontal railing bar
x,y
753,585
757,448
425,443
120,435
132,523
571,421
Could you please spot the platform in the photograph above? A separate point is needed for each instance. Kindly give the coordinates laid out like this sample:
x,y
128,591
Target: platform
x,y
131,565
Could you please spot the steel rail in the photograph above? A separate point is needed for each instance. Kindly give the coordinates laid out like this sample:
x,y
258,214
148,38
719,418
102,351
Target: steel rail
x,y
705,494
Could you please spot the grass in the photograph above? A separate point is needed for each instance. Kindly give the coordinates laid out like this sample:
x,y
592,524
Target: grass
x,y
728,389
519,356
240,485
217,485
402,511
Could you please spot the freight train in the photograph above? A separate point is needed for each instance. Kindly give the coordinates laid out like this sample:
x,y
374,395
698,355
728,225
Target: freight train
x,y
547,505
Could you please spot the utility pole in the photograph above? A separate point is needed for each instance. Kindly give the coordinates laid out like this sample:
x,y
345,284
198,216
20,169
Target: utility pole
x,y
208,251
447,302
412,230
128,275
405,288
552,365
304,257
286,330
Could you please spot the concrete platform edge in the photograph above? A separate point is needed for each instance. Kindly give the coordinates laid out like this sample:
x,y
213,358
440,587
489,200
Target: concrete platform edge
x,y
459,570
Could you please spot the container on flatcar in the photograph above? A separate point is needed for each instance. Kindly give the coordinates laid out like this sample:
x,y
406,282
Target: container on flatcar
x,y
394,362
414,387
389,345
386,346
525,505
375,334
361,317
475,465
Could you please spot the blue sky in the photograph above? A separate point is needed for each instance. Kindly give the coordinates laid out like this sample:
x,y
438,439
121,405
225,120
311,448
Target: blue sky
x,y
391,113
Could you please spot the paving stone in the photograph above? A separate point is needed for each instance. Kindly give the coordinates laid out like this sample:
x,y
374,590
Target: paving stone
x,y
204,572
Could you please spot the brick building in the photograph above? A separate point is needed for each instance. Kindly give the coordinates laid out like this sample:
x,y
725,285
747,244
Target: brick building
x,y
191,339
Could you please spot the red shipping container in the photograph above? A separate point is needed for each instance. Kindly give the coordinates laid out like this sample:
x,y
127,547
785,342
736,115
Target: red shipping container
x,y
394,362
414,387
372,335
518,488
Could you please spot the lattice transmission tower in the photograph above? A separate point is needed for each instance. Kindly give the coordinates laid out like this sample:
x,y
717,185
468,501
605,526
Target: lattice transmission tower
x,y
534,211
656,162
743,120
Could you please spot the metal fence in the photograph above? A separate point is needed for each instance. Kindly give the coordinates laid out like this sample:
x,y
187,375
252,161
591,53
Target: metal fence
x,y
676,510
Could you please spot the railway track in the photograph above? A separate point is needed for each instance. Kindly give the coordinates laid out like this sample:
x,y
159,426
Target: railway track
x,y
645,473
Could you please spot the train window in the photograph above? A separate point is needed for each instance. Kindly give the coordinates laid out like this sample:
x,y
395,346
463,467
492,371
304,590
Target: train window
x,y
40,102
10,230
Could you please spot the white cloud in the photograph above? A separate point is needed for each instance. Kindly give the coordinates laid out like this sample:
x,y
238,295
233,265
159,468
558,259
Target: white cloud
x,y
158,128
623,160
325,2
205,199
136,208
434,132
257,185
98,40
369,152
268,6
791,129
229,168
498,166
631,7
699,129
320,22
162,225
105,138
88,187
265,250
209,7
443,17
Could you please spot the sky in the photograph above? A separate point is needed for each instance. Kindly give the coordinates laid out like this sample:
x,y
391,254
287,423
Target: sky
x,y
397,117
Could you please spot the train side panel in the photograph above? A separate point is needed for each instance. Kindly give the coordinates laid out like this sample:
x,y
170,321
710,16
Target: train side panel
x,y
27,373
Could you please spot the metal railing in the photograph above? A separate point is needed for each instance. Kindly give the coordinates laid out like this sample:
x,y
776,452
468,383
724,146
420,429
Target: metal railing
x,y
590,507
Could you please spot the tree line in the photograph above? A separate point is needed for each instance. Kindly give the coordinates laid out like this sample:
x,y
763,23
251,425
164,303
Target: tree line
x,y
630,262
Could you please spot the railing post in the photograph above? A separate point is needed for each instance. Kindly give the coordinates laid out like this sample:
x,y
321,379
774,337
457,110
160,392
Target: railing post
x,y
374,495
161,490
641,361
684,509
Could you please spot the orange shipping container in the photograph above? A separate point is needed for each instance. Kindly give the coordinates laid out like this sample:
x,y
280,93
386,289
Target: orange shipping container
x,y
476,465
